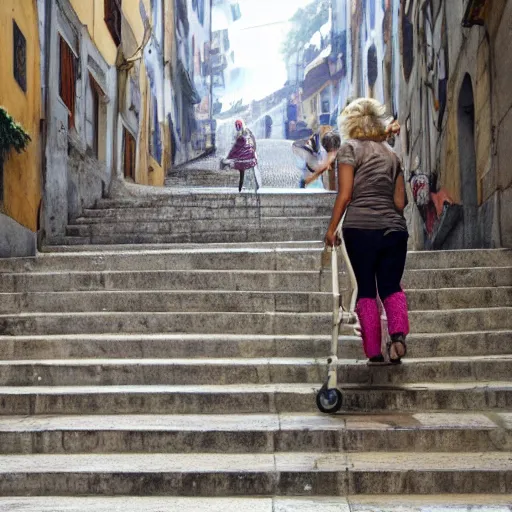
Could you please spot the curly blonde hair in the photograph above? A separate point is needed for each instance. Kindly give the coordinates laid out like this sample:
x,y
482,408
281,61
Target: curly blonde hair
x,y
364,118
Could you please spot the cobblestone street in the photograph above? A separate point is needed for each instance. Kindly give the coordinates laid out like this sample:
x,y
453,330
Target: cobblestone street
x,y
276,162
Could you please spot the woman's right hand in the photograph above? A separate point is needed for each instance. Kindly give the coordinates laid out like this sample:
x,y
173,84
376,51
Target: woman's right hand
x,y
332,239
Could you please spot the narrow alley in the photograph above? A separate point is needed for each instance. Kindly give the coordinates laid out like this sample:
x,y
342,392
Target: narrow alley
x,y
167,341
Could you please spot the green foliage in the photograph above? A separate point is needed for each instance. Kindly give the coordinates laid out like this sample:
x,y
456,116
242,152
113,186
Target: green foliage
x,y
305,22
12,135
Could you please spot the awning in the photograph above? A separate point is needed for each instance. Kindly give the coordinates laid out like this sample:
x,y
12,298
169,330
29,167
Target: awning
x,y
188,88
318,60
316,79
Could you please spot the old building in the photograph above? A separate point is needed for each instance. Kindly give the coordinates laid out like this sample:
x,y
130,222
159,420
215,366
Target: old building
x,y
192,125
365,50
20,95
111,92
455,105
105,111
442,67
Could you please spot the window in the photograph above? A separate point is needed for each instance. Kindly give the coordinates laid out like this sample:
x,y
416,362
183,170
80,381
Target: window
x,y
325,100
155,141
236,12
92,104
19,57
129,155
67,82
113,19
373,66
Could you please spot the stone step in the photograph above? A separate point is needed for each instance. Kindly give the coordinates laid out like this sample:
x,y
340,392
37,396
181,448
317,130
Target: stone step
x,y
256,280
221,200
374,503
429,321
252,398
256,433
217,475
243,234
90,248
163,300
159,227
207,258
203,178
164,346
224,257
109,372
430,503
233,300
183,213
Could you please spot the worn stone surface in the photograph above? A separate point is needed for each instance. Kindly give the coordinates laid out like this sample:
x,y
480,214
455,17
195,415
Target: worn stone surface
x,y
16,241
193,371
276,163
446,503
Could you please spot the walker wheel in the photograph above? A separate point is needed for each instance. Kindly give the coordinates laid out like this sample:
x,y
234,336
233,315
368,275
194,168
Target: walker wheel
x,y
329,401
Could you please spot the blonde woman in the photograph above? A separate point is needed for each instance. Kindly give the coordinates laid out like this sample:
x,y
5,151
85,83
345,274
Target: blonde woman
x,y
372,192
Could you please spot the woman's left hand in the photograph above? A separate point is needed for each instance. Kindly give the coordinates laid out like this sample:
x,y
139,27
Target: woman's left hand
x,y
393,128
332,239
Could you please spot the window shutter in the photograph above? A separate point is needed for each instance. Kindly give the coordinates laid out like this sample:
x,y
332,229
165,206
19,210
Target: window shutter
x,y
67,84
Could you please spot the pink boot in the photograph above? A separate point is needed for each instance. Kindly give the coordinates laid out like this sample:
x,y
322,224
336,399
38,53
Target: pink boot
x,y
398,325
367,311
397,314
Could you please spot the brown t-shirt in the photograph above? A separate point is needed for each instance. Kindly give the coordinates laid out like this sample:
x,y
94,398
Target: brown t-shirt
x,y
376,168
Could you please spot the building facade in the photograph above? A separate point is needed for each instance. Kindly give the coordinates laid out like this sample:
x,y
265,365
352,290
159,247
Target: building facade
x,y
192,124
20,96
111,92
455,105
442,68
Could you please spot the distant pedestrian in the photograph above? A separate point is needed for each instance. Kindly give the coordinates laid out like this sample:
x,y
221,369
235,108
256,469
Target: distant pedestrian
x,y
268,127
243,155
315,155
372,192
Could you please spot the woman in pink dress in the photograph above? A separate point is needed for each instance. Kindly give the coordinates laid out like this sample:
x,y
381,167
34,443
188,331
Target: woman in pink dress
x,y
243,155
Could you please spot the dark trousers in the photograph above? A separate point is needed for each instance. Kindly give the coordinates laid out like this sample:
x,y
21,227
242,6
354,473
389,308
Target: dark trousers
x,y
378,260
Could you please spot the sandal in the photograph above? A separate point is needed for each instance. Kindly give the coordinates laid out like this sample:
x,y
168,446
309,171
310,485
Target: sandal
x,y
391,345
377,361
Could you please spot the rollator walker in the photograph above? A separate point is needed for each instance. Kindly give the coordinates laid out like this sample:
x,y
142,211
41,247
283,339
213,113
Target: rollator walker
x,y
329,398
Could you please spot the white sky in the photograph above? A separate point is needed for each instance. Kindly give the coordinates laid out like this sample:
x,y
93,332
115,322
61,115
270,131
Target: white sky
x,y
258,49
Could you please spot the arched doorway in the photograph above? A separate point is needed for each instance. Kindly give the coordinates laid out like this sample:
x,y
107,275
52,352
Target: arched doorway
x,y
467,163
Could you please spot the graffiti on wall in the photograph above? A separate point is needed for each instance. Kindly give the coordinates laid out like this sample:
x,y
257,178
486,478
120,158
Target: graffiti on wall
x,y
407,32
436,58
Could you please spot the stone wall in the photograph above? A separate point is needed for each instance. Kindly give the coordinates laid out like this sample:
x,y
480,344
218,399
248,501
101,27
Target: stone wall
x,y
455,103
15,240
498,184
74,178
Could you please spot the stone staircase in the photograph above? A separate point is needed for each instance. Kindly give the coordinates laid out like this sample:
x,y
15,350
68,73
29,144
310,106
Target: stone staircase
x,y
185,177
202,218
184,378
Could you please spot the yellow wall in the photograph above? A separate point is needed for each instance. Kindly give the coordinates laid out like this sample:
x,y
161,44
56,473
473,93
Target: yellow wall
x,y
92,14
22,182
131,12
